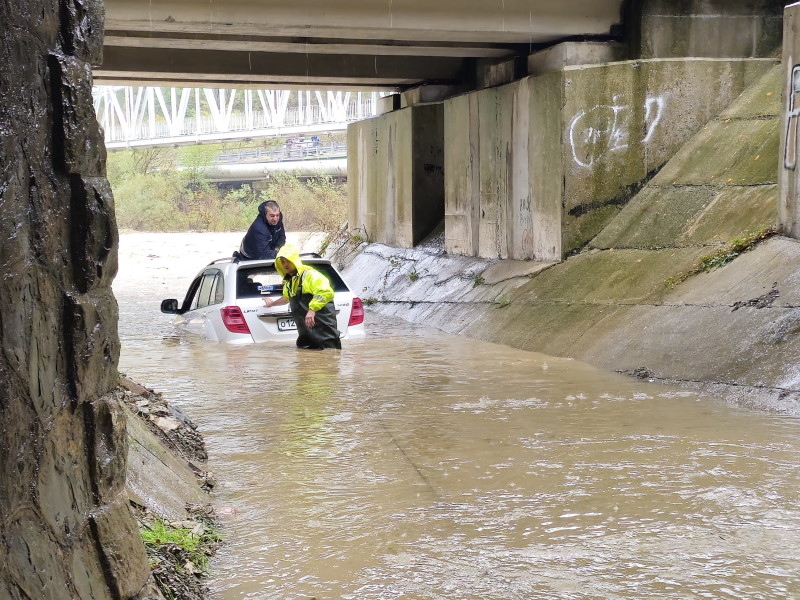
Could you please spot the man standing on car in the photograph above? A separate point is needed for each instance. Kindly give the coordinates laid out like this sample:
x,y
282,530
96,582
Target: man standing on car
x,y
310,297
265,235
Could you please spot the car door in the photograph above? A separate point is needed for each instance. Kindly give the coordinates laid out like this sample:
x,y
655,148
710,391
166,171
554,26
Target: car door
x,y
199,318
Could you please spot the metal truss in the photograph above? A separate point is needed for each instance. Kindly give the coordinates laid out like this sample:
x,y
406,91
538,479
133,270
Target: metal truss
x,y
147,116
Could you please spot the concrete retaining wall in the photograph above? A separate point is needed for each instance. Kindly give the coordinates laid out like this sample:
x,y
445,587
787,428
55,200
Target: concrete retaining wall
x,y
734,330
536,168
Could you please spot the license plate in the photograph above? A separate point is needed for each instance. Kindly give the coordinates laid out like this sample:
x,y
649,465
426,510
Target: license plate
x,y
286,324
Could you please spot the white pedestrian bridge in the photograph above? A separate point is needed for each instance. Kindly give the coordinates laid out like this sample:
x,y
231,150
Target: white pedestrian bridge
x,y
152,116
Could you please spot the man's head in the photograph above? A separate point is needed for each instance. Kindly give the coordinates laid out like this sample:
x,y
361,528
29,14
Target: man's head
x,y
287,265
272,212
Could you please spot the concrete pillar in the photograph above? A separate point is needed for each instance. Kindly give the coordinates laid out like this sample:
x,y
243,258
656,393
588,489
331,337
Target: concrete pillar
x,y
395,175
504,184
789,206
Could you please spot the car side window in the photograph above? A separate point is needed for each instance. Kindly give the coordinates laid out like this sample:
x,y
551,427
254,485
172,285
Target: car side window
x,y
190,301
219,288
205,295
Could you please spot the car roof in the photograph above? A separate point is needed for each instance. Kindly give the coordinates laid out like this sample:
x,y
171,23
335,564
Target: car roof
x,y
309,258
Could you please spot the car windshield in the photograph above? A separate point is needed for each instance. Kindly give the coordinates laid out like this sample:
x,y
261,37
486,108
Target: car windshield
x,y
254,282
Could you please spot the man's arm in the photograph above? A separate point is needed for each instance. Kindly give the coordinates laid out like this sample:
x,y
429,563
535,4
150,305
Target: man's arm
x,y
280,238
266,248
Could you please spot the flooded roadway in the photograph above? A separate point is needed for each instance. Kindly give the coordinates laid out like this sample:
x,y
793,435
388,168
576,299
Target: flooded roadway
x,y
419,465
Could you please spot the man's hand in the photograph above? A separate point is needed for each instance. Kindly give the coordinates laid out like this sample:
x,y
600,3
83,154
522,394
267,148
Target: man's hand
x,y
268,302
310,318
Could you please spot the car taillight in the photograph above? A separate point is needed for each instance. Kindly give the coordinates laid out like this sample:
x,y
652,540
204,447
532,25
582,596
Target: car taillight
x,y
233,319
357,313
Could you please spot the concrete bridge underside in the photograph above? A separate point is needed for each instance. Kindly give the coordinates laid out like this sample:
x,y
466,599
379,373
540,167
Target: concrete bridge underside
x,y
523,125
336,43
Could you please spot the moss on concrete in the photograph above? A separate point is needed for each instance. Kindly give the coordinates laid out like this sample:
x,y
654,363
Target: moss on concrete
x,y
609,276
656,217
733,211
761,99
727,152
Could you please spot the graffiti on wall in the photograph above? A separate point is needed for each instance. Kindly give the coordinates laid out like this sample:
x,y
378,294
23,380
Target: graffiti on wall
x,y
790,152
607,128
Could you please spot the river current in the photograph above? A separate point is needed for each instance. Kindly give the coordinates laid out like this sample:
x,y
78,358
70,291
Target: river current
x,y
419,465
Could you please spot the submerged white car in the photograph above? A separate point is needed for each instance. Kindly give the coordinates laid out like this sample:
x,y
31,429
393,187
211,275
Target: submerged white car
x,y
224,302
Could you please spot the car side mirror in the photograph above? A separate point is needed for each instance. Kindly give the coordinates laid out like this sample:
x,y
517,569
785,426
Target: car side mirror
x,y
169,306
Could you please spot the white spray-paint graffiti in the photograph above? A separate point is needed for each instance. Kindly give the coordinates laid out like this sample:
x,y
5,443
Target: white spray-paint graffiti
x,y
604,129
792,115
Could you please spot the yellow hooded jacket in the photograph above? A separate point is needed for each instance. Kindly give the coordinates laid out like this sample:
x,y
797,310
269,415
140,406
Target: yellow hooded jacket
x,y
314,282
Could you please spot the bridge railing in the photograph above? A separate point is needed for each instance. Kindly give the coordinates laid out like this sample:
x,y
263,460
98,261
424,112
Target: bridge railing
x,y
289,151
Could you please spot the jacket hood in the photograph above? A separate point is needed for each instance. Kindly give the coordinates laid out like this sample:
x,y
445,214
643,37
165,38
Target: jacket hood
x,y
290,253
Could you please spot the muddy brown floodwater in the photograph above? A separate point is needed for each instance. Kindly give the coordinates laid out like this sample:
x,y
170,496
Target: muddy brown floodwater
x,y
419,465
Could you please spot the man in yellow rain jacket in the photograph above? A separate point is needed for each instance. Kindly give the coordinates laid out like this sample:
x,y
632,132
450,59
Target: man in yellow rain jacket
x,y
310,297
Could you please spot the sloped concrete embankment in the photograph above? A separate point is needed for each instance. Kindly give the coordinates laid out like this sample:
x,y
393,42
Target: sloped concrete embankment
x,y
610,304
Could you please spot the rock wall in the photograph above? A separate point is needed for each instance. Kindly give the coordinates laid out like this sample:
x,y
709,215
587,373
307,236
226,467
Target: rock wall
x,y
65,525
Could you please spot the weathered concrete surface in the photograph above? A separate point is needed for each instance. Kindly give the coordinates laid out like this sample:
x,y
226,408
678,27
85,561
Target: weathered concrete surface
x,y
732,331
66,531
535,169
568,54
789,206
713,28
396,176
720,184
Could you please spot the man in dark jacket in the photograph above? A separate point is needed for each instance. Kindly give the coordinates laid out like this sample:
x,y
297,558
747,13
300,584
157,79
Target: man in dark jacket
x,y
265,235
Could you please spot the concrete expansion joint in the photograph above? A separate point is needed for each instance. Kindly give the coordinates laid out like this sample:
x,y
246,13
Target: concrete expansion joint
x,y
667,186
460,276
748,118
709,186
716,16
781,391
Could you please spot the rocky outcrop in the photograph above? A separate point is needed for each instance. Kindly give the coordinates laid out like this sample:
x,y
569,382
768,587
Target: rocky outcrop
x,y
65,522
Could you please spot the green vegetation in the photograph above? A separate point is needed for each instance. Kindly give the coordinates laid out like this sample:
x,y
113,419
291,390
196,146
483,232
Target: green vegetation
x,y
197,543
413,276
370,301
359,235
502,301
479,280
725,253
165,189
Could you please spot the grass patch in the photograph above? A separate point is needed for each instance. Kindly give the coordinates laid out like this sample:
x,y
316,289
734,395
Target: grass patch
x,y
195,544
725,254
479,280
